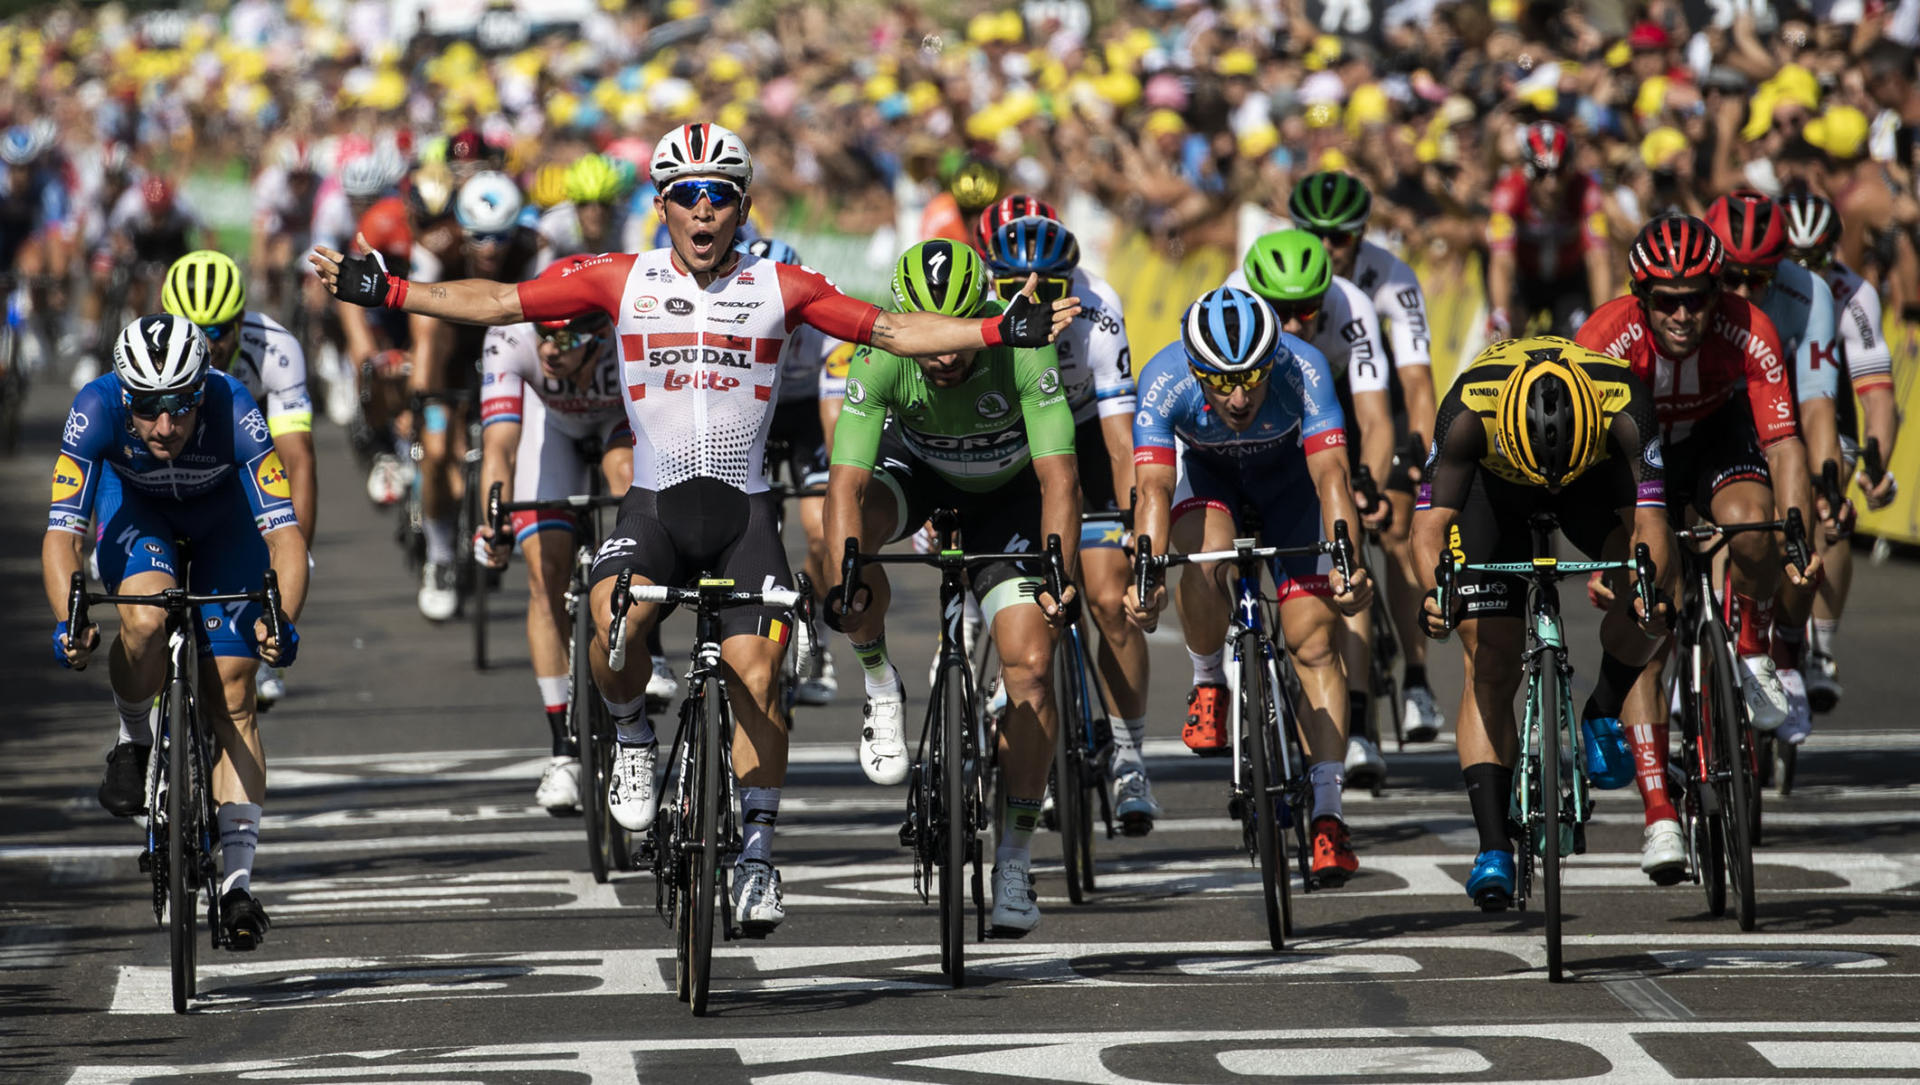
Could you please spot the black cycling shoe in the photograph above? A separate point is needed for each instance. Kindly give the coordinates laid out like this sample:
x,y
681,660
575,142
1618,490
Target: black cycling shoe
x,y
123,790
246,921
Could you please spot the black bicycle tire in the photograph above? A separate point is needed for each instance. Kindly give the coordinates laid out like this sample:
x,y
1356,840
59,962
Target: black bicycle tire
x,y
1547,708
1741,792
1713,832
955,827
181,900
594,776
670,853
1069,799
1300,805
13,389
474,582
706,872
619,840
1269,848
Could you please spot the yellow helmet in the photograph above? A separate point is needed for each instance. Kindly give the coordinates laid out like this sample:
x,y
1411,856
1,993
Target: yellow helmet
x,y
975,185
594,179
1549,422
549,186
206,288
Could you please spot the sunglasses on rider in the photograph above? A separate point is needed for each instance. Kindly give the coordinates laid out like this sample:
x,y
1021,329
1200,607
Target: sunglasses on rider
x,y
1693,301
715,190
1225,383
148,406
1337,239
217,332
566,339
501,238
1299,312
1047,291
1751,278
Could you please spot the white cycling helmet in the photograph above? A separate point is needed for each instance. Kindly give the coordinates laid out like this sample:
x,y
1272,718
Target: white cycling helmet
x,y
160,353
23,145
701,150
373,173
489,203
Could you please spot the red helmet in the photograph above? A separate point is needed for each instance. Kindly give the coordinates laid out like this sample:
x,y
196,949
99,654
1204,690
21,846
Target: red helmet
x,y
1005,210
1544,148
1674,249
467,145
1749,226
386,228
158,192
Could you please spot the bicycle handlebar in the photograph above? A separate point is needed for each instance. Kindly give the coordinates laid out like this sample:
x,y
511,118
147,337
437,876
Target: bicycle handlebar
x,y
1147,564
1794,528
80,600
716,594
498,511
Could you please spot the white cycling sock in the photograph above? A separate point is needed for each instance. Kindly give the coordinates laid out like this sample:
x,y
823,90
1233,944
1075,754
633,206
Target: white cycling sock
x,y
630,721
1129,736
1209,668
759,810
439,541
553,692
135,720
1823,632
239,838
1327,778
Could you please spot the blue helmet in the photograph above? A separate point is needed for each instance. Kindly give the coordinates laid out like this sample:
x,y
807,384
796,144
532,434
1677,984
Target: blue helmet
x,y
1229,331
770,248
1034,244
22,144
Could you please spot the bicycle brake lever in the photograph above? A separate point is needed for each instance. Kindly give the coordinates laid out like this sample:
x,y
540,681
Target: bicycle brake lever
x,y
270,593
495,518
1643,572
617,630
77,620
1343,552
1142,567
1871,460
1443,575
1796,541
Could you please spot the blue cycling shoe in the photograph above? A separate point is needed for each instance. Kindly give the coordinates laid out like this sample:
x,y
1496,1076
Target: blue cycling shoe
x,y
1491,883
1609,760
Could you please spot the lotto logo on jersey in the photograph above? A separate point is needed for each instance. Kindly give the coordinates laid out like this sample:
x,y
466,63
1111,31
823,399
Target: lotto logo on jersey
x,y
272,477
68,477
704,379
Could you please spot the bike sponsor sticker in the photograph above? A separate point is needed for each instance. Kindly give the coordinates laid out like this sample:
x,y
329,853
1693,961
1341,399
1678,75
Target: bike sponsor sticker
x,y
679,306
840,361
272,477
68,477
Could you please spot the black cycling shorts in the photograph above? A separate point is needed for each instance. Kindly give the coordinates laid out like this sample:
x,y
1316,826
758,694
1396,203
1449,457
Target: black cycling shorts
x,y
796,428
1719,451
1495,526
702,527
1006,520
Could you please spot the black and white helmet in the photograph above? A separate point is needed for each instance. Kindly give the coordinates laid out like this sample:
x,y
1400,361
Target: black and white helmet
x,y
700,150
160,353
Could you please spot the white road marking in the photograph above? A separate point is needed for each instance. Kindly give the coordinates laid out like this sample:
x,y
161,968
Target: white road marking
x,y
1647,999
1296,1062
1839,1054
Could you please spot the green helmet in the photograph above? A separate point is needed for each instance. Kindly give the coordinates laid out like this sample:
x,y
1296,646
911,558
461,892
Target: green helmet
x,y
940,276
1288,265
1330,202
593,179
205,287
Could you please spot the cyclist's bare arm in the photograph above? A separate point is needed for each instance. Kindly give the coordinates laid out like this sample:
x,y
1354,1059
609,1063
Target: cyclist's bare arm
x,y
296,455
60,558
432,344
1416,390
1152,517
1060,504
1820,429
1880,418
1117,430
1600,279
1328,469
846,498
468,301
1793,489
1501,267
1373,417
916,335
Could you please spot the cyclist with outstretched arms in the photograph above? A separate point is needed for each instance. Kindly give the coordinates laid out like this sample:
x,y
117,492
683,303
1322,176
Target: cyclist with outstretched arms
x,y
1255,411
551,411
1547,248
1866,363
699,388
193,460
207,288
1335,207
1538,425
1752,232
1290,271
1096,370
1732,453
989,434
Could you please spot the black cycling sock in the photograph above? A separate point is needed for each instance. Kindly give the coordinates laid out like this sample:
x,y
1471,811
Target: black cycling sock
x,y
1416,676
1610,691
563,745
1489,790
1359,720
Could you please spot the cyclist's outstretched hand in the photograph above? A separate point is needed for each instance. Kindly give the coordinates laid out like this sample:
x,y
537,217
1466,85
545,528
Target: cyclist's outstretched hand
x,y
1352,596
360,280
1146,614
71,655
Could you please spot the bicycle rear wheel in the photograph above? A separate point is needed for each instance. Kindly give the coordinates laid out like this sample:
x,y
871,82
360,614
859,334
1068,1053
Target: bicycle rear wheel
x,y
181,843
705,867
1545,710
954,827
1733,739
596,754
1295,805
1263,800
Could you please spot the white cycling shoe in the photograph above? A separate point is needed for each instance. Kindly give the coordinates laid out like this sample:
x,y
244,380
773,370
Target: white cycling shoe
x,y
1134,806
1422,716
559,789
1767,706
1364,766
662,686
269,687
1016,910
630,793
757,908
438,599
1799,709
818,684
883,753
1663,852
386,480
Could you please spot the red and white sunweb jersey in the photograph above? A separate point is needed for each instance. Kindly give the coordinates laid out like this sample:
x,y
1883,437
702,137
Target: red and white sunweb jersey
x,y
699,366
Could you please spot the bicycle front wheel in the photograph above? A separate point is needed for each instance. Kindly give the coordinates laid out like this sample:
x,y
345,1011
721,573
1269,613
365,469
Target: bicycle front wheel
x,y
1263,788
1733,738
1072,810
475,580
706,857
1546,712
596,754
954,825
181,842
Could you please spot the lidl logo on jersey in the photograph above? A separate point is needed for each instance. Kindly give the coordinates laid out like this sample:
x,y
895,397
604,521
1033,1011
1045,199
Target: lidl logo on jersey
x,y
68,477
840,361
272,477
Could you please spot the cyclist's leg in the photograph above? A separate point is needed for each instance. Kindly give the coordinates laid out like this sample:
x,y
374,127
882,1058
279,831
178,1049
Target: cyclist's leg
x,y
1739,490
1104,571
1423,716
643,544
547,465
1836,560
136,556
1204,504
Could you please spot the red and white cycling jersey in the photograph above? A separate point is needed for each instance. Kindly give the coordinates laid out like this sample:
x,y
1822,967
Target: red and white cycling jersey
x,y
699,366
1741,350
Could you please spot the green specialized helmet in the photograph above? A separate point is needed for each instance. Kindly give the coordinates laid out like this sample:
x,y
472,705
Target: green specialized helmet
x,y
593,179
1330,202
206,288
1288,265
940,276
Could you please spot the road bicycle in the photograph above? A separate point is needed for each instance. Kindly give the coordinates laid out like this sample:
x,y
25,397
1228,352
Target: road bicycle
x,y
608,847
1383,656
1552,800
950,779
1721,752
182,824
1082,748
794,489
697,828
1269,792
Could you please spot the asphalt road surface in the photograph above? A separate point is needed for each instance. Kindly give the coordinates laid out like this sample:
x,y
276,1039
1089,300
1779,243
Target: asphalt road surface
x,y
432,924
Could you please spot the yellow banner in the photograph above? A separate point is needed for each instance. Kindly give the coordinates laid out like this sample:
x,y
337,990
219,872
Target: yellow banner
x,y
1155,289
1900,521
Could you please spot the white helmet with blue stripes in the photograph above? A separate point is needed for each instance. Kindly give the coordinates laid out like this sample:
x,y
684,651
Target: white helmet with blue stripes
x,y
1230,331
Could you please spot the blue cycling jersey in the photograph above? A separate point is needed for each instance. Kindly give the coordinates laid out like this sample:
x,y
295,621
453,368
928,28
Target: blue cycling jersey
x,y
1801,308
230,443
1301,412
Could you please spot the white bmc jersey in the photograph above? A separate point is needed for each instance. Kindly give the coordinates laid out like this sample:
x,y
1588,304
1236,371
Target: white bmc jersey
x,y
274,369
555,417
1863,343
1347,331
1096,366
1398,301
333,222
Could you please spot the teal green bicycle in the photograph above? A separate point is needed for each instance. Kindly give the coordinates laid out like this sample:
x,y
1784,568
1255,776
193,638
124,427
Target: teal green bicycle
x,y
1546,752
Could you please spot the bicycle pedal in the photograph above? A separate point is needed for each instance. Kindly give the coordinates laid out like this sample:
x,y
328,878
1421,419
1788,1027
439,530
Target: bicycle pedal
x,y
1008,933
1669,875
1136,825
1210,751
756,931
1494,901
145,859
